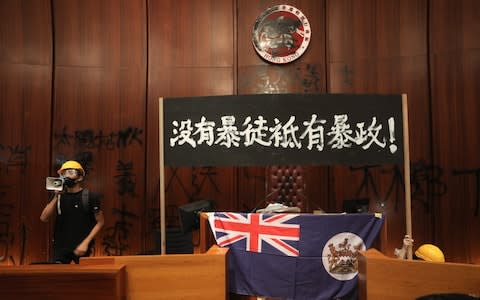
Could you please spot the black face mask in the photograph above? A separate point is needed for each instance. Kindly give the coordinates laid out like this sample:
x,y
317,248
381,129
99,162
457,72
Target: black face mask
x,y
69,182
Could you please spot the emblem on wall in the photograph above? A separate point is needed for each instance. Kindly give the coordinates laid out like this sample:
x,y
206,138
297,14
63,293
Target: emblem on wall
x,y
340,255
281,34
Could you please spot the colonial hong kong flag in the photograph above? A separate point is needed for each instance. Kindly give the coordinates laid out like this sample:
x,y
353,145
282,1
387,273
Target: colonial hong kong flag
x,y
294,256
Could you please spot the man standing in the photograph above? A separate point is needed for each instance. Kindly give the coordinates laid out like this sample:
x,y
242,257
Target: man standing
x,y
79,217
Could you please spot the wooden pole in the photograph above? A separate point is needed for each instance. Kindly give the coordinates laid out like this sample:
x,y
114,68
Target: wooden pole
x,y
161,175
406,166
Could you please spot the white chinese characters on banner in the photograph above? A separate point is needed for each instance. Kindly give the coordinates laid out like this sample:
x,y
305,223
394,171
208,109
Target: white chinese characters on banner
x,y
313,134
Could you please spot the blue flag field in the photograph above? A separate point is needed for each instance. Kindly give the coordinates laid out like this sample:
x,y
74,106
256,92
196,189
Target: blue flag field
x,y
294,256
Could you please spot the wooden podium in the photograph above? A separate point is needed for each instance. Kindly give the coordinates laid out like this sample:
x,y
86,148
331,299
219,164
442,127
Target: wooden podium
x,y
382,277
60,282
172,276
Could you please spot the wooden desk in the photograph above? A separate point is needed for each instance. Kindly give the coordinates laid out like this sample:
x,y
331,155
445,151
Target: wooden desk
x,y
171,276
382,277
71,282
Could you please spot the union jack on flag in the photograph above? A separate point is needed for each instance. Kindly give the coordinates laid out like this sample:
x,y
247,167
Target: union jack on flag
x,y
261,233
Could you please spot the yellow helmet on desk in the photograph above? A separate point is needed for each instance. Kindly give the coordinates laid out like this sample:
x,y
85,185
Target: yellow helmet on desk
x,y
429,252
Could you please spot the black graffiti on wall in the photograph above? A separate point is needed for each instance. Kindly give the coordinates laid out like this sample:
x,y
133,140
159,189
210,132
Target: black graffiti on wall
x,y
396,186
115,238
310,78
13,161
171,210
276,79
6,235
200,177
347,75
368,183
426,182
13,157
174,178
125,178
98,139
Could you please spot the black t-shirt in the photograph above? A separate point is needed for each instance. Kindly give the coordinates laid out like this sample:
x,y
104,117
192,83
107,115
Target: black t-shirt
x,y
74,222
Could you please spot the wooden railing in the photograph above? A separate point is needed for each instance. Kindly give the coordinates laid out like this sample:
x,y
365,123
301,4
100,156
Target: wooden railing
x,y
382,277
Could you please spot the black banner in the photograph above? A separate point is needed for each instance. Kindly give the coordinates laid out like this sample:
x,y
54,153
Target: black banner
x,y
320,129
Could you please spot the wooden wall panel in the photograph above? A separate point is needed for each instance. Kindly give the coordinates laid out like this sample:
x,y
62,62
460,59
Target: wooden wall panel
x,y
454,26
25,132
110,33
455,68
190,54
380,47
190,33
99,109
25,93
25,31
305,75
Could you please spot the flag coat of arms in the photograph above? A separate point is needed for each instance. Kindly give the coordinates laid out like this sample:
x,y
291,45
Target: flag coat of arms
x,y
294,256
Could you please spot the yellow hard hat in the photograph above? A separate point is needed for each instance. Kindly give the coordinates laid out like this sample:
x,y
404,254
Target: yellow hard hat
x,y
71,164
429,252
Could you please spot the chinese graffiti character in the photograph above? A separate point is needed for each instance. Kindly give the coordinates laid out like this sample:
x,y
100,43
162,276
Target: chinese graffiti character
x,y
126,179
115,241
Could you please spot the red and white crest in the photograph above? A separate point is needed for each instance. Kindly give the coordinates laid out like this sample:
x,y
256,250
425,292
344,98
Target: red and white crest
x,y
281,34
